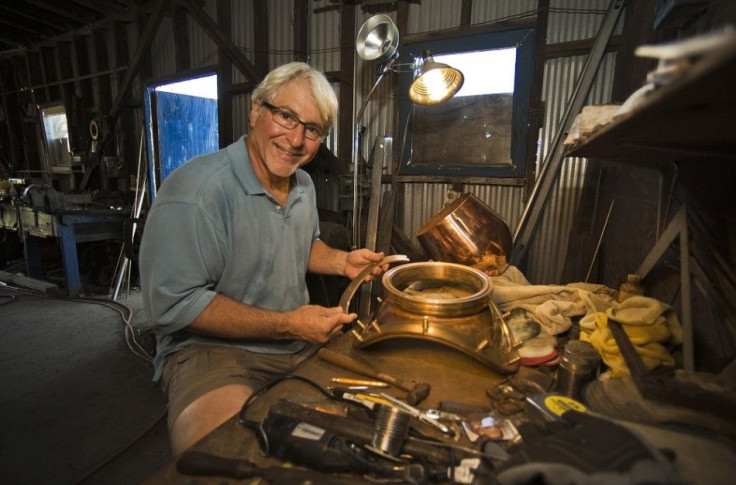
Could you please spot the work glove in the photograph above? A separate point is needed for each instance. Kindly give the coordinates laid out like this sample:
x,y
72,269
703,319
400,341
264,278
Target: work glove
x,y
583,449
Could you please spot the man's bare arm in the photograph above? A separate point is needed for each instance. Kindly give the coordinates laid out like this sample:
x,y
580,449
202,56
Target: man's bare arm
x,y
326,260
228,318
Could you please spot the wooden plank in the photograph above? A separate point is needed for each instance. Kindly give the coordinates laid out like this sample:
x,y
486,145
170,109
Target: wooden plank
x,y
26,282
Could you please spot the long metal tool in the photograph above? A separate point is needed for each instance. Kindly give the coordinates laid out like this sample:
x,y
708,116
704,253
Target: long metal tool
x,y
356,282
600,240
551,166
382,150
421,416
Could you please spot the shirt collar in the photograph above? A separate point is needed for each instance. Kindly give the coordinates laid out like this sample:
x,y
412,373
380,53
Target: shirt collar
x,y
240,161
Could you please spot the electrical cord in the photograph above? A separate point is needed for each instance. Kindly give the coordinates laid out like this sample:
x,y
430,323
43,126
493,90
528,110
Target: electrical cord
x,y
256,426
244,409
126,314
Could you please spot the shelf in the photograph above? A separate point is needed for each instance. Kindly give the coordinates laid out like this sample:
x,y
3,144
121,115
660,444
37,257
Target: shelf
x,y
690,119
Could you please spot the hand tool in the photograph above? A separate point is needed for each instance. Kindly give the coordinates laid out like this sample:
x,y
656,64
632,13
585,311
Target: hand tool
x,y
353,286
200,463
417,392
417,413
347,388
367,400
358,382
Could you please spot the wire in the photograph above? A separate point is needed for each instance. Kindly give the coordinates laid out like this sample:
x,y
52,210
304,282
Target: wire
x,y
126,314
269,385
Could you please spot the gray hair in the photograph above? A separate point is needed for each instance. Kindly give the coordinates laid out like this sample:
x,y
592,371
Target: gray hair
x,y
321,89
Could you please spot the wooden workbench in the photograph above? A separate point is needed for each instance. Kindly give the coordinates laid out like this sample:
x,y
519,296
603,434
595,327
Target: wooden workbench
x,y
451,374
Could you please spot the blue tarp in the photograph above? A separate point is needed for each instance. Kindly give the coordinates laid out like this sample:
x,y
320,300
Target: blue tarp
x,y
187,126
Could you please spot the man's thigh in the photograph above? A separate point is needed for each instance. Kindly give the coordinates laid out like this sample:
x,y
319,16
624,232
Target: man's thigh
x,y
194,371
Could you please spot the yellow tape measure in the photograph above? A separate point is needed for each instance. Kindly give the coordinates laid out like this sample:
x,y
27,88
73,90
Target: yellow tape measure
x,y
560,404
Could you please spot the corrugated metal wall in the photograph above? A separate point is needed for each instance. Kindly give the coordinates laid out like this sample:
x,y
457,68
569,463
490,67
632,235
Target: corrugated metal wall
x,y
568,20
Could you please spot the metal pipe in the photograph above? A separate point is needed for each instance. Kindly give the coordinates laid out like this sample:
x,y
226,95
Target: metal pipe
x,y
356,150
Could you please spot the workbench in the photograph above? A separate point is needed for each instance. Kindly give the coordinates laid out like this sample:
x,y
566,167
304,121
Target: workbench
x,y
70,227
452,375
700,457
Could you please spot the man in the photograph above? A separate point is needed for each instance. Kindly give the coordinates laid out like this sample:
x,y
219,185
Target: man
x,y
224,256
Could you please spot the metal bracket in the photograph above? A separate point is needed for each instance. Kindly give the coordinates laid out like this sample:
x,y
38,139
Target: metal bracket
x,y
677,228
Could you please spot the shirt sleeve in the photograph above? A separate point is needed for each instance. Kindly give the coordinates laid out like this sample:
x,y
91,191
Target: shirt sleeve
x,y
179,258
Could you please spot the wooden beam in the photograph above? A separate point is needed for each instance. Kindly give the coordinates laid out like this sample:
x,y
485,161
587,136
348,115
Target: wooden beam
x,y
466,13
67,10
578,47
260,39
631,71
65,68
536,106
225,78
232,52
181,39
50,74
144,45
347,67
462,31
102,63
301,31
83,70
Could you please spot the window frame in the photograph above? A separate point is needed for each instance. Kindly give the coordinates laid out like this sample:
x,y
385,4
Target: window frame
x,y
523,39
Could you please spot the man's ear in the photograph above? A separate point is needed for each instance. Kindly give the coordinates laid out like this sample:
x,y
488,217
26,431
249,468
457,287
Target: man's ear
x,y
255,110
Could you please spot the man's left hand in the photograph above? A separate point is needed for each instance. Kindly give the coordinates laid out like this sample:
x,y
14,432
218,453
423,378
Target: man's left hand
x,y
358,259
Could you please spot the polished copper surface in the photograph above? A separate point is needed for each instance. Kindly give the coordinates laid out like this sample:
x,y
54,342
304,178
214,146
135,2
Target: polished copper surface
x,y
468,232
447,303
436,288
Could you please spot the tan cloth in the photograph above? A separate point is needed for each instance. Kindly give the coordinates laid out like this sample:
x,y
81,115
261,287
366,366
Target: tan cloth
x,y
649,324
553,306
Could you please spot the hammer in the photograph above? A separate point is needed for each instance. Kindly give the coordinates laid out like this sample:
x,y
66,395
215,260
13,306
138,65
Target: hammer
x,y
417,392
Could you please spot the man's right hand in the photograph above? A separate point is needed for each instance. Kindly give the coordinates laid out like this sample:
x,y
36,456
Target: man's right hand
x,y
317,324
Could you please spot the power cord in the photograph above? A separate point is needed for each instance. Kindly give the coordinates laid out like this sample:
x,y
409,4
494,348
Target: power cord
x,y
126,314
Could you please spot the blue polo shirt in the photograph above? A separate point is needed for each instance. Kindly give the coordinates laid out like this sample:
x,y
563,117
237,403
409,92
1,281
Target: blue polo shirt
x,y
214,229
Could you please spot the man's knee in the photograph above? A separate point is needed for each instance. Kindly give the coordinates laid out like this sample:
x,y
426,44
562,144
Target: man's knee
x,y
205,414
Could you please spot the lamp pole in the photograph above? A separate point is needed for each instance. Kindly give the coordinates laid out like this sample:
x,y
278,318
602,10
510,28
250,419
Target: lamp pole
x,y
356,148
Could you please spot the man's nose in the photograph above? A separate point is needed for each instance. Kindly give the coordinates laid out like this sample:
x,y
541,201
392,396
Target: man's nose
x,y
297,135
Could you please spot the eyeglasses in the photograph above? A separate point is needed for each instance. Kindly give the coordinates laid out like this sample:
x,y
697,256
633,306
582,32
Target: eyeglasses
x,y
288,120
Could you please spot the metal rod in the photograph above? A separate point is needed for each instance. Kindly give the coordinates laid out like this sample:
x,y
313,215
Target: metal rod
x,y
550,169
600,240
356,151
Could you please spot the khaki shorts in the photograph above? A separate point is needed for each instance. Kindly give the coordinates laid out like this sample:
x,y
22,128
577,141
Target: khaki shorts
x,y
194,371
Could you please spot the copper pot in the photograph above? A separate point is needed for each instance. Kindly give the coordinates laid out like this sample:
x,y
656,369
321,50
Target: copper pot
x,y
467,231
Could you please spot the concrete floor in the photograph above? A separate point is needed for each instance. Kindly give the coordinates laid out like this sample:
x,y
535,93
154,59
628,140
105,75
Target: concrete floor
x,y
73,396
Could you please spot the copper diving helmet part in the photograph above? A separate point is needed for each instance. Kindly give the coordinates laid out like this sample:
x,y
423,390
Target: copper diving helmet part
x,y
446,303
468,232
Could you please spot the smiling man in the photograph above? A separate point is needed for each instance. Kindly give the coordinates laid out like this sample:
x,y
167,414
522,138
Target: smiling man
x,y
224,256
